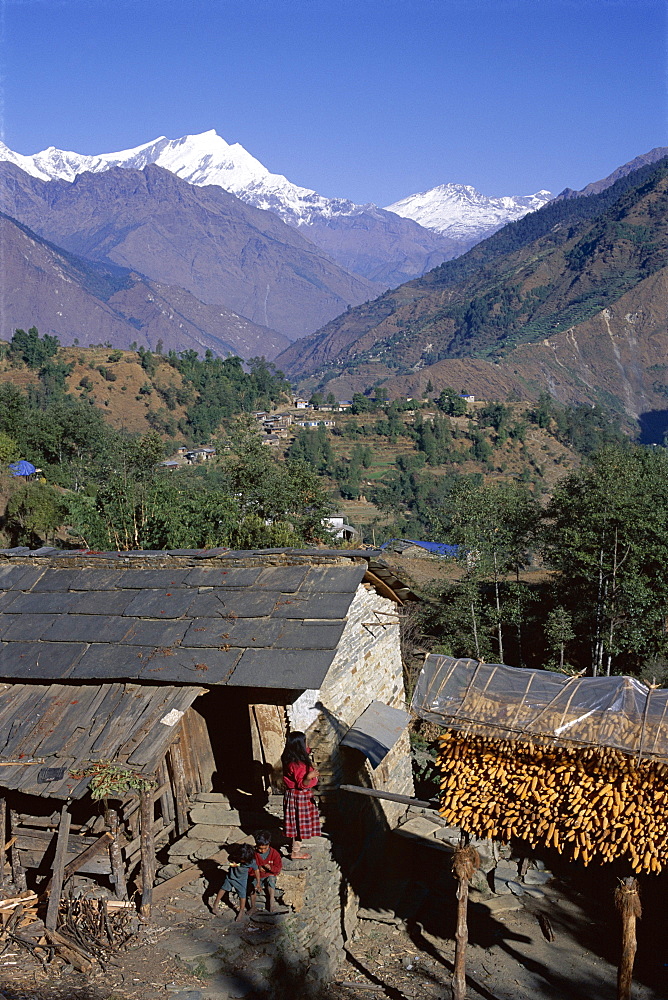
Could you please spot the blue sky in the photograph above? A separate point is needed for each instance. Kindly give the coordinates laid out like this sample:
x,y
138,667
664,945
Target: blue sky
x,y
368,99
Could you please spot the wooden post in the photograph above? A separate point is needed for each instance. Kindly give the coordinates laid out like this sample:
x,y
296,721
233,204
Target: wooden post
x,y
18,874
627,901
180,794
165,789
58,869
147,854
116,858
464,863
3,838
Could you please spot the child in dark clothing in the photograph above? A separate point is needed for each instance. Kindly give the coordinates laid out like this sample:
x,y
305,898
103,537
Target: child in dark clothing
x,y
268,864
237,878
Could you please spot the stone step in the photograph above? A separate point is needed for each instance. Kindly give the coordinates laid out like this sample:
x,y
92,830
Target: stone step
x,y
421,829
217,797
214,831
215,813
218,814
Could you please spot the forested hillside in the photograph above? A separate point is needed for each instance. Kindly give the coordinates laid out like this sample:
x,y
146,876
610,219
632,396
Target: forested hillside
x,y
560,521
553,272
97,424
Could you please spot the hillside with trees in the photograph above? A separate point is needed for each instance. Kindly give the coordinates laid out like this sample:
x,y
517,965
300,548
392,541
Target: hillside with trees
x,y
492,321
558,519
98,422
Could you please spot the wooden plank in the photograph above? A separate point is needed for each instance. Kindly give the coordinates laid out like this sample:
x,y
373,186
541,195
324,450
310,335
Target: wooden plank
x,y
3,834
147,855
46,836
164,793
24,898
178,780
202,749
268,731
79,863
117,866
390,796
18,872
160,835
58,870
25,819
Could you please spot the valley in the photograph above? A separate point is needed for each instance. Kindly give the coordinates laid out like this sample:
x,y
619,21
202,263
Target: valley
x,y
569,300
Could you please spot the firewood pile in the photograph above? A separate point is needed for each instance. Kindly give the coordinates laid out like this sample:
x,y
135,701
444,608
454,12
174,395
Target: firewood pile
x,y
89,930
593,803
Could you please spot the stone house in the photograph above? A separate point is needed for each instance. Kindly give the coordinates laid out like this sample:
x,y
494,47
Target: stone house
x,y
336,524
187,668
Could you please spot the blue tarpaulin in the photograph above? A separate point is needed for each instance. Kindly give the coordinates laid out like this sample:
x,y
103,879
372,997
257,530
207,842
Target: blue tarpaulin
x,y
22,468
438,548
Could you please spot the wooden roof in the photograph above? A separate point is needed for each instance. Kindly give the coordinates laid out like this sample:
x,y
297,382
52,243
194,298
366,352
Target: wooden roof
x,y
70,726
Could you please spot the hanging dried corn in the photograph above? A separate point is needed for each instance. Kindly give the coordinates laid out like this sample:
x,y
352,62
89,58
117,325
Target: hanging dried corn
x,y
594,804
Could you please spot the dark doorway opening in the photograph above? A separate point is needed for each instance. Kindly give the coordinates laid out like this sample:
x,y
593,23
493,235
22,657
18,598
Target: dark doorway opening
x,y
225,711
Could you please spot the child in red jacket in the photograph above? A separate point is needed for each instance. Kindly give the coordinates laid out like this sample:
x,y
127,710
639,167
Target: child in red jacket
x,y
268,864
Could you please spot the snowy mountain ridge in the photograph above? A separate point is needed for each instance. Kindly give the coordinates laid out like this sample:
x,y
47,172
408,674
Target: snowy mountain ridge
x,y
459,210
450,209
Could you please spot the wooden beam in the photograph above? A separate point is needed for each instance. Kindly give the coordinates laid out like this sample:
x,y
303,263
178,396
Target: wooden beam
x,y
117,866
390,796
3,834
160,833
18,872
147,854
180,794
383,588
134,806
81,859
58,869
165,793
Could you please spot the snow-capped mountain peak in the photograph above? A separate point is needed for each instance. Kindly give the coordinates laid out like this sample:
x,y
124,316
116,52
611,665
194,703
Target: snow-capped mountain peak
x,y
205,158
459,210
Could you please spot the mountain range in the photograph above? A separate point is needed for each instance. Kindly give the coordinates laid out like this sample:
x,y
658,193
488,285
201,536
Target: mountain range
x,y
201,240
570,299
194,243
47,287
386,246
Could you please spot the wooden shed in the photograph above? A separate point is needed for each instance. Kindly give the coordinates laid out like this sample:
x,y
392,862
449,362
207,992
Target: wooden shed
x,y
159,676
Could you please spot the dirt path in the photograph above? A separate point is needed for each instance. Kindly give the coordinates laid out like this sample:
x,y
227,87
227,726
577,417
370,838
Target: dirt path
x,y
404,959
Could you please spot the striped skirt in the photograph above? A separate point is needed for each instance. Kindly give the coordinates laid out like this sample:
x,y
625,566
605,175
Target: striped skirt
x,y
300,814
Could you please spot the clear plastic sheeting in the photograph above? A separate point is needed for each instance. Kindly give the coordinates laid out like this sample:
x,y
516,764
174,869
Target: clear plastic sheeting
x,y
510,702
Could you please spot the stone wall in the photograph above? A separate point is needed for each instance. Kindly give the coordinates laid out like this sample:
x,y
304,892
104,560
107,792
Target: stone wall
x,y
315,932
367,667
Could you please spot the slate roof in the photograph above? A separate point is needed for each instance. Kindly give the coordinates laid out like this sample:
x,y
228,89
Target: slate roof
x,y
210,618
71,725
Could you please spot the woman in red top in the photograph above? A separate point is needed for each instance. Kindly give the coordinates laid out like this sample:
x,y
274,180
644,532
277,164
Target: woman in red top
x,y
301,819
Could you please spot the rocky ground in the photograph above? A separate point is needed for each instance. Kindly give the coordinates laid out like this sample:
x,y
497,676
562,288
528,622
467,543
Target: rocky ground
x,y
189,954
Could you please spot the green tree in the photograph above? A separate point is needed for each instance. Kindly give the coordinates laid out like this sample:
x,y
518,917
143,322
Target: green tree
x,y
32,349
495,525
606,536
451,402
9,449
559,632
34,513
275,491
